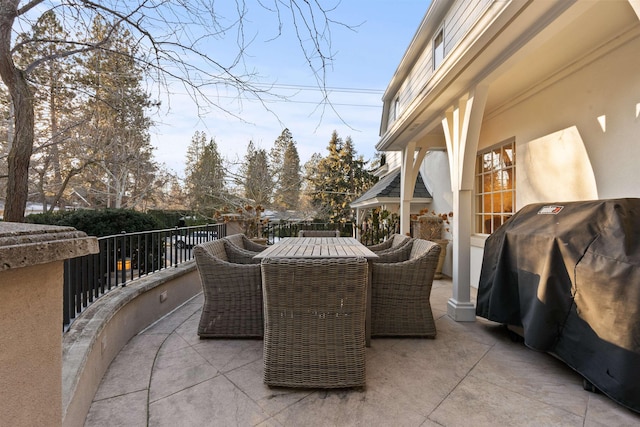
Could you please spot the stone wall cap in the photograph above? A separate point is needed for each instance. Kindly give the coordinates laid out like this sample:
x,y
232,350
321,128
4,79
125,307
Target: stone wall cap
x,y
22,245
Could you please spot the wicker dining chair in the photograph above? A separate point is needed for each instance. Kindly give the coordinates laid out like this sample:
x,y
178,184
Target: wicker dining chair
x,y
319,233
232,294
400,293
315,312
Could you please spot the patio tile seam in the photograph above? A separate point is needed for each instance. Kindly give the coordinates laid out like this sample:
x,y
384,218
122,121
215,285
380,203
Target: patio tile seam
x,y
273,394
489,348
115,396
151,402
531,396
222,371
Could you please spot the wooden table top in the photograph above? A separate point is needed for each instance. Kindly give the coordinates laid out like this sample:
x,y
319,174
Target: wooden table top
x,y
317,247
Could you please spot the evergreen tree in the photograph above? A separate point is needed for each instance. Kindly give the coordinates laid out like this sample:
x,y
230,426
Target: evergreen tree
x,y
118,127
257,180
337,179
205,180
285,166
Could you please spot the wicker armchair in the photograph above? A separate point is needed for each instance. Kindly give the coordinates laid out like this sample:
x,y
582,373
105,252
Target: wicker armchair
x,y
243,242
400,293
394,241
315,313
319,233
232,294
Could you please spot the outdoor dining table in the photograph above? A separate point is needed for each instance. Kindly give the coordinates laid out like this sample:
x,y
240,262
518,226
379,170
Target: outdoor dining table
x,y
325,247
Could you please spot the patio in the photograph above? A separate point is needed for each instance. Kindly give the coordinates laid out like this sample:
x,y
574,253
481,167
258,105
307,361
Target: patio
x,y
471,374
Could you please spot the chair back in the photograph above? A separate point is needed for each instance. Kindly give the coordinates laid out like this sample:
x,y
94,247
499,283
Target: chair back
x,y
243,242
315,312
319,233
236,239
426,248
399,240
215,248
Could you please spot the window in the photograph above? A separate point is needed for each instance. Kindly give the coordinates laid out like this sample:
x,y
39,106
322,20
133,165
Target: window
x,y
396,105
438,49
495,186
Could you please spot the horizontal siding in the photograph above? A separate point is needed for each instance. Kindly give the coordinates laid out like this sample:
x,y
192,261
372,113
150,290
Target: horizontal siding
x,y
394,160
460,18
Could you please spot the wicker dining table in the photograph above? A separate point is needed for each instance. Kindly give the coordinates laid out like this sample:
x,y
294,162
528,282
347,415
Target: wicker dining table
x,y
325,247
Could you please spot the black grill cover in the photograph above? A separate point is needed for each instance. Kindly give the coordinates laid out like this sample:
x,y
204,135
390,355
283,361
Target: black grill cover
x,y
569,275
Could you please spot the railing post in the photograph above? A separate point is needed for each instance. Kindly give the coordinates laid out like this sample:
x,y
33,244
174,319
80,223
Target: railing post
x,y
174,247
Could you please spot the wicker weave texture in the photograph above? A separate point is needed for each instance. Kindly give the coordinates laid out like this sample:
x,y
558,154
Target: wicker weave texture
x,y
243,242
238,255
392,242
315,313
400,293
232,294
396,253
319,233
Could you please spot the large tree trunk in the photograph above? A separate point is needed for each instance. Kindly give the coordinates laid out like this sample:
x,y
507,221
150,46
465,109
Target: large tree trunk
x,y
22,98
20,154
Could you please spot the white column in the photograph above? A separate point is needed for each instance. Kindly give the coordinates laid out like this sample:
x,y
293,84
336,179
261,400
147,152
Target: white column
x,y
459,306
412,158
635,4
406,189
462,125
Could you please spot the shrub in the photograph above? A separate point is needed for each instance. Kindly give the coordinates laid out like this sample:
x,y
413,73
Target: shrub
x,y
104,222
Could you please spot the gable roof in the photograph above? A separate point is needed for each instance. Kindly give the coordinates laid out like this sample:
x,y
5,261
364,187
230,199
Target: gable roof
x,y
387,190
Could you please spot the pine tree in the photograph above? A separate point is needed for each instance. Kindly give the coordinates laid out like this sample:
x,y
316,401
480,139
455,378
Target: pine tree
x,y
205,180
256,176
285,166
337,179
118,130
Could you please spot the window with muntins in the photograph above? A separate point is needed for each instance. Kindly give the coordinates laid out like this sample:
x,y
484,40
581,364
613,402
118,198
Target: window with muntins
x,y
495,187
438,48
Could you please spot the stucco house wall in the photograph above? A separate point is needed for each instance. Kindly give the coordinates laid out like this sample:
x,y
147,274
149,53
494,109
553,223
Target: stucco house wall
x,y
577,139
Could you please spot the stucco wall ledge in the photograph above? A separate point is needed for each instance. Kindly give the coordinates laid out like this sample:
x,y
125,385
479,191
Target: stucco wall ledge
x,y
24,245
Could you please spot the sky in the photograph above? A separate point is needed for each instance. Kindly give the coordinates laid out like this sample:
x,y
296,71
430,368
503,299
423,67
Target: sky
x,y
365,58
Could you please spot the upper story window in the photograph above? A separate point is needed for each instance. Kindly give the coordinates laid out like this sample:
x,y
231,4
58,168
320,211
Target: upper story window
x,y
495,186
438,48
396,106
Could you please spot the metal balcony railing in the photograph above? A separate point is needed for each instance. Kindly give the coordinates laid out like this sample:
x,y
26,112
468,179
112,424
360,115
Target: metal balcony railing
x,y
125,257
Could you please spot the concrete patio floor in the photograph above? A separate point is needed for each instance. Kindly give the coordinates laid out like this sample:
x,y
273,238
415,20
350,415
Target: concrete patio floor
x,y
472,374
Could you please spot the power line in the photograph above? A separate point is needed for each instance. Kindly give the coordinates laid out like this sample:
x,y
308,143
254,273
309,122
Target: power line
x,y
322,89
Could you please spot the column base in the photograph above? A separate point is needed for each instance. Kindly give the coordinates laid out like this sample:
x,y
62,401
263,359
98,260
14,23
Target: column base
x,y
461,311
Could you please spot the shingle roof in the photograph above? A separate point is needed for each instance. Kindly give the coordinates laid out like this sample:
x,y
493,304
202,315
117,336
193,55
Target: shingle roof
x,y
389,188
